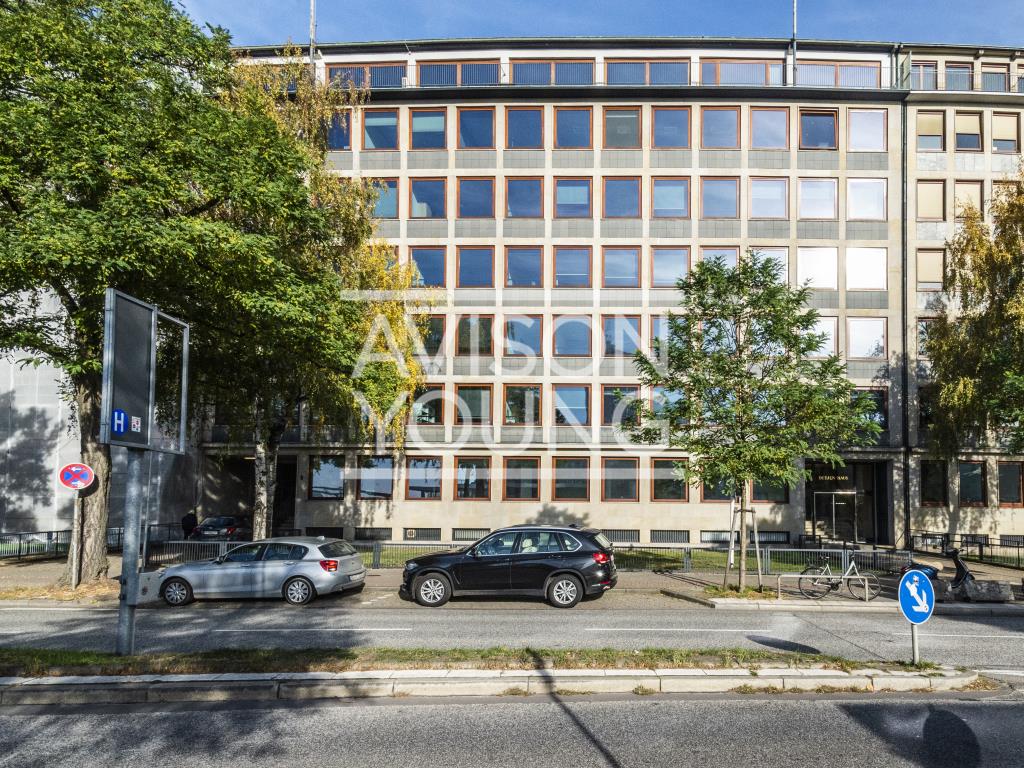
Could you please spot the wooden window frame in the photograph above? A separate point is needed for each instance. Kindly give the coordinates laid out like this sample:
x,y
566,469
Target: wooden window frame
x,y
824,351
944,502
458,70
636,485
540,249
554,196
981,129
835,202
750,198
525,108
604,416
590,334
647,68
885,196
543,199
739,125
988,68
720,248
398,198
347,116
689,198
583,147
344,480
984,485
739,210
554,478
455,479
444,334
917,199
504,334
958,65
444,276
942,136
359,475
458,265
686,486
398,129
444,181
885,403
718,61
885,128
639,197
458,321
551,63
411,420
554,404
468,385
540,403
505,475
754,500
639,333
1020,486
885,338
689,124
554,266
458,197
750,129
366,66
408,461
604,272
655,248
639,126
412,113
836,83
835,129
458,124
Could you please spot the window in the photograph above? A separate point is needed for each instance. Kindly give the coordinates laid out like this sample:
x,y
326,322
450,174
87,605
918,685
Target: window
x,y
818,267
933,483
769,493
427,199
285,551
472,403
959,77
1010,476
572,198
867,130
866,269
339,132
669,266
924,326
572,267
619,405
622,128
423,477
665,402
931,131
666,485
647,73
572,404
558,72
430,265
380,129
476,198
995,77
769,198
879,412
522,404
967,131
923,76
1006,132
866,200
475,267
670,197
572,128
524,267
621,268
428,405
621,197
621,335
818,130
927,401
522,478
386,206
780,256
819,199
715,491
719,198
729,257
739,72
826,327
472,477
473,335
572,336
476,128
619,479
930,265
433,335
363,75
524,128
866,338
931,201
839,74
524,197
523,335
428,128
671,129
326,477
967,195
972,483
447,74
720,127
375,477
769,128
572,479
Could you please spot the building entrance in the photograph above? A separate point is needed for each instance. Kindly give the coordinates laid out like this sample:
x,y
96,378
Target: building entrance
x,y
849,503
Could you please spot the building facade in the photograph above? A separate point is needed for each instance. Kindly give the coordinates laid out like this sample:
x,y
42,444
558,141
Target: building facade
x,y
551,192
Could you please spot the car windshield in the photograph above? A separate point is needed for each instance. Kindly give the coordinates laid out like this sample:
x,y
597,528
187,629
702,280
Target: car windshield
x,y
218,522
603,541
337,549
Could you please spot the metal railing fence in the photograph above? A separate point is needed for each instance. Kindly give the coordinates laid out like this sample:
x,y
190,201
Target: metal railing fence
x,y
883,561
974,547
56,543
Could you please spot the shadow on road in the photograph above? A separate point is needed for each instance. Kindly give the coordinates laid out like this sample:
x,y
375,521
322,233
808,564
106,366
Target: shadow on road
x,y
782,645
932,736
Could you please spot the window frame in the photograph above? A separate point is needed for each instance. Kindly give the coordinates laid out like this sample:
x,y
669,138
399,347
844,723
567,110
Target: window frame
x,y
689,126
635,460
412,113
455,478
639,125
344,479
639,335
543,199
885,267
552,79
412,184
359,476
504,334
458,321
739,211
1020,485
983,502
590,196
440,387
825,351
686,486
444,270
408,475
885,338
540,253
525,108
739,125
458,197
398,129
590,138
884,410
885,196
346,116
654,249
539,420
944,501
705,500
750,129
958,66
458,63
604,265
835,129
535,460
917,134
367,68
444,335
750,198
992,133
941,183
458,421
590,334
590,270
647,68
458,121
554,478
605,421
639,197
837,65
981,130
718,61
689,198
849,128
554,404
835,198
980,184
398,199
458,265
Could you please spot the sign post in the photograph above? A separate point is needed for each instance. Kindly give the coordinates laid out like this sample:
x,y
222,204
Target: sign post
x,y
917,603
144,408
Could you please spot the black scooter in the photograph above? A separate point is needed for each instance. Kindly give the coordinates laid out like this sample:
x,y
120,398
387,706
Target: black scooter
x,y
963,573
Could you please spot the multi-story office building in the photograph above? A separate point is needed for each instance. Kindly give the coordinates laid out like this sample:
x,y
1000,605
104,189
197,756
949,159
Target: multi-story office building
x,y
551,192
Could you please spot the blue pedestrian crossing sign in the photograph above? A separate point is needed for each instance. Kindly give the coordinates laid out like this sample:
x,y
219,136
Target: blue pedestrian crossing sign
x,y
917,597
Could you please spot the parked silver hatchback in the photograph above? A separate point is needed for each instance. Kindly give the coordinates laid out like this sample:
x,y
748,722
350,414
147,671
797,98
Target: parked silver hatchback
x,y
297,568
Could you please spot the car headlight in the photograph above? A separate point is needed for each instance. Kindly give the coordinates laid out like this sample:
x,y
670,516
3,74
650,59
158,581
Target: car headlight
x,y
411,566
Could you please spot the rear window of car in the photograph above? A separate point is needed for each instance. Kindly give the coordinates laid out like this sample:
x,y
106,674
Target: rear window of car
x,y
602,540
337,549
219,522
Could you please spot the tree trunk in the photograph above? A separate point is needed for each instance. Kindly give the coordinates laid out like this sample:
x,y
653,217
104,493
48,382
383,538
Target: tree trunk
x,y
266,483
743,536
87,557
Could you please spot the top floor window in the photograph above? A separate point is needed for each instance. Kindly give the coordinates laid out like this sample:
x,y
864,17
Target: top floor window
x,y
924,76
995,77
524,128
367,75
818,130
738,72
959,77
556,72
839,74
446,74
572,128
647,73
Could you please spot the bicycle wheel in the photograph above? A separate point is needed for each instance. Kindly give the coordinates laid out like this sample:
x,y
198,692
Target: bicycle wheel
x,y
857,586
817,585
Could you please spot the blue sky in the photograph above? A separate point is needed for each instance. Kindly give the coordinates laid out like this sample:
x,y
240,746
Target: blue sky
x,y
255,22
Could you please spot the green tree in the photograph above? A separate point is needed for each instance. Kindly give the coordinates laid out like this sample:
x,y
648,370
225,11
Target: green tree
x,y
744,398
976,346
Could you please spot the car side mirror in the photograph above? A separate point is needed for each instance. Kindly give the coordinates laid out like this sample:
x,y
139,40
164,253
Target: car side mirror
x,y
474,552
220,559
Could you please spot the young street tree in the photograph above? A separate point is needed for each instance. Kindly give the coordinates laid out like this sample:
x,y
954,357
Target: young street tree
x,y
742,394
976,347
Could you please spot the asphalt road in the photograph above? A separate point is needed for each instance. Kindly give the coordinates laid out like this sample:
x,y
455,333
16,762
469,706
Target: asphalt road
x,y
621,620
585,731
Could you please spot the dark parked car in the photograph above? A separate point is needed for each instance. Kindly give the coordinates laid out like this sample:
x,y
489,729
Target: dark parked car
x,y
223,528
560,563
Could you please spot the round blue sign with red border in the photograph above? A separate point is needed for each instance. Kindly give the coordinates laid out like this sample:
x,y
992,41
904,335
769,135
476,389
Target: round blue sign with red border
x,y
76,476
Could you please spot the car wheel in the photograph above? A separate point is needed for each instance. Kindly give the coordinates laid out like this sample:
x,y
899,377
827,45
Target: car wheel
x,y
176,592
565,591
298,591
431,590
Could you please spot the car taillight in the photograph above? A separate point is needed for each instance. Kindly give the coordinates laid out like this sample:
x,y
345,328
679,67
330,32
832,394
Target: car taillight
x,y
601,558
329,565
231,530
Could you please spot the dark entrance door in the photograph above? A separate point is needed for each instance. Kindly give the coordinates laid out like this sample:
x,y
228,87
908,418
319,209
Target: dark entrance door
x,y
835,515
850,503
284,494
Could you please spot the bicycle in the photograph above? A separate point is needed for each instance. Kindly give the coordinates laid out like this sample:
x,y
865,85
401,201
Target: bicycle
x,y
824,581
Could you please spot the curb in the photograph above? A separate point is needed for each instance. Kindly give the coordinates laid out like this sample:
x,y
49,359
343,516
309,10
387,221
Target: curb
x,y
463,682
788,606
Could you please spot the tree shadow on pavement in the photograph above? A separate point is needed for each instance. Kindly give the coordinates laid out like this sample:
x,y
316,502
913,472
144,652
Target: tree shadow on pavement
x,y
782,645
932,736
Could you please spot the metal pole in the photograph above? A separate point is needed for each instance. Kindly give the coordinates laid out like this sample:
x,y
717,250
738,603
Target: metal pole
x,y
793,80
130,555
913,642
312,39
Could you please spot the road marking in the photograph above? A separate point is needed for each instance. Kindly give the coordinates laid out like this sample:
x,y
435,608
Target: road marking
x,y
665,629
48,608
987,637
321,629
1012,672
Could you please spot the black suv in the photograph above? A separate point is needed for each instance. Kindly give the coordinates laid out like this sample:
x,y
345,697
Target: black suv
x,y
560,563
223,528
